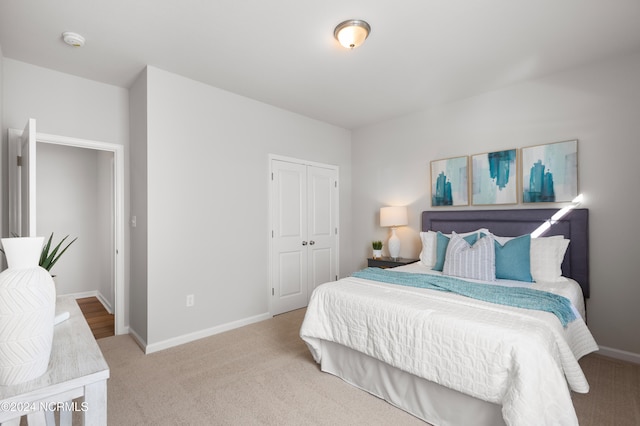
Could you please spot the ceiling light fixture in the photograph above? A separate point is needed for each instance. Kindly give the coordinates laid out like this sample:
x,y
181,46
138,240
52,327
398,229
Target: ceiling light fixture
x,y
73,39
352,33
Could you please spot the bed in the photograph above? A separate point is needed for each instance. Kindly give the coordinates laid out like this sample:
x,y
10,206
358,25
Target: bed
x,y
450,359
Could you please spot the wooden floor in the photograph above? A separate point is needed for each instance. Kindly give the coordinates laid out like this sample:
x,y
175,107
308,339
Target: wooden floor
x,y
99,319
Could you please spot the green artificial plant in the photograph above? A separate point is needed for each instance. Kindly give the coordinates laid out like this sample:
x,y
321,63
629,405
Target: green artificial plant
x,y
377,245
50,256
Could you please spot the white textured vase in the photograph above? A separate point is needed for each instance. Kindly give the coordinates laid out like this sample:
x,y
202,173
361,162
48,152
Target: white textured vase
x,y
27,310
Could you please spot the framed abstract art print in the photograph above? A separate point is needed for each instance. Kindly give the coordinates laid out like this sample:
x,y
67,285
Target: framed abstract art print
x,y
550,172
494,178
450,182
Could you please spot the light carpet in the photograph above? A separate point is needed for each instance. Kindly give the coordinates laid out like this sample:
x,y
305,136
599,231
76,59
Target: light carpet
x,y
263,374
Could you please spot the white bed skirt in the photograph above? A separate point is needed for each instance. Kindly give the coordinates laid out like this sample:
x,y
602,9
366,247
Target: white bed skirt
x,y
422,398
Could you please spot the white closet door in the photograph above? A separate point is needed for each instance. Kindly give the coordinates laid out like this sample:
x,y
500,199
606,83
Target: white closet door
x,y
304,216
289,230
322,230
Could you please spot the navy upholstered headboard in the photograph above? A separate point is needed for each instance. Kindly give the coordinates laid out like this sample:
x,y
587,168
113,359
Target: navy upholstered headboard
x,y
511,223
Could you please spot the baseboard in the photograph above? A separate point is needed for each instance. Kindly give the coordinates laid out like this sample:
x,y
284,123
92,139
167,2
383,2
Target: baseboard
x,y
105,303
92,293
619,354
82,295
186,338
136,338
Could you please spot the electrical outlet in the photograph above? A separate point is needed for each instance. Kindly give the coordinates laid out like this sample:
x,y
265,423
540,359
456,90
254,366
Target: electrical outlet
x,y
190,300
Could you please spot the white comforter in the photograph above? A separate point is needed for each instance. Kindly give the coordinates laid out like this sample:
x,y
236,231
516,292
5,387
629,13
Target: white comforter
x,y
518,358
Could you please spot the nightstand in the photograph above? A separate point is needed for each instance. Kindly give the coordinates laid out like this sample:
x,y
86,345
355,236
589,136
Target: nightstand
x,y
389,262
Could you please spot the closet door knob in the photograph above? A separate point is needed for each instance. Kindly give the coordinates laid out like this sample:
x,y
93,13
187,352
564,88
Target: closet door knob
x,y
312,242
304,243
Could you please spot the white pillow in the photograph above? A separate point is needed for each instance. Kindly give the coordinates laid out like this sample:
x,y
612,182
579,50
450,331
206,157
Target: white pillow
x,y
428,253
471,261
547,254
429,245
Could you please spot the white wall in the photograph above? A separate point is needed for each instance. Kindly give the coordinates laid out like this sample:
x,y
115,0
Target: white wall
x,y
105,194
597,104
64,104
207,154
69,106
138,319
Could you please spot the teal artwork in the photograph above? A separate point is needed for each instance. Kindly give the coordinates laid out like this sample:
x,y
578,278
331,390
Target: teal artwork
x,y
550,172
450,182
493,178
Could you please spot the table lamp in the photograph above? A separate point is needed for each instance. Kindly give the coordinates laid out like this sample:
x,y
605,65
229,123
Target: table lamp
x,y
393,217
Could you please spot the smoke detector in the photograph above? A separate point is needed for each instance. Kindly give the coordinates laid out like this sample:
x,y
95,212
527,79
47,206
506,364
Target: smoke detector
x,y
73,39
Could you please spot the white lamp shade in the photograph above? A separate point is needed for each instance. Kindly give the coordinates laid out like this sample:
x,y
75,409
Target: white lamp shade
x,y
393,216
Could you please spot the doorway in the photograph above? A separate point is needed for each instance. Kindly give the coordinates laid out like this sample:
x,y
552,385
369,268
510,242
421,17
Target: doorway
x,y
109,160
74,196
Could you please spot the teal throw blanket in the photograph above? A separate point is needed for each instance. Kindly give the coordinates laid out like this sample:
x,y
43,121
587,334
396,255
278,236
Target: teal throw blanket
x,y
519,297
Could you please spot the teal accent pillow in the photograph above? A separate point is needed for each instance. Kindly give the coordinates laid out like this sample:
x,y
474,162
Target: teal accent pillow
x,y
442,242
513,259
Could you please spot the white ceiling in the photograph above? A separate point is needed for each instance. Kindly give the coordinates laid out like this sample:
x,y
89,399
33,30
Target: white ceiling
x,y
420,52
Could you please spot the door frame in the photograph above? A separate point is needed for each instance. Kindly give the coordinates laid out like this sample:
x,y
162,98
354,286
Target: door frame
x,y
270,159
118,206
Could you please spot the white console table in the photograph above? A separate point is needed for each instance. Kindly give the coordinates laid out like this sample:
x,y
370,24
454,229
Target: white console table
x,y
76,369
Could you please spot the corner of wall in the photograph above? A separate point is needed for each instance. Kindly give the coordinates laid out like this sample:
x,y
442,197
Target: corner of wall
x,y
138,301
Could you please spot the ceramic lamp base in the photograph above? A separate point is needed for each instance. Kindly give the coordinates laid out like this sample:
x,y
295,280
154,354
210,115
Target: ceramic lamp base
x,y
394,244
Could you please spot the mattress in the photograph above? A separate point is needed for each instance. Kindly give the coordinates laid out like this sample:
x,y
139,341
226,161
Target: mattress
x,y
520,359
